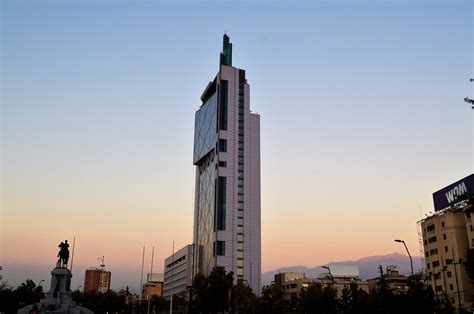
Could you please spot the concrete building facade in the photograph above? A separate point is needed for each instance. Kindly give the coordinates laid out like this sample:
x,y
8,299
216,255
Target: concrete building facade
x,y
153,285
178,272
447,237
291,284
445,242
396,283
227,159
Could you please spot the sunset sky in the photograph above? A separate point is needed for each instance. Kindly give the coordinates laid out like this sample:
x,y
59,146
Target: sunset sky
x,y
362,119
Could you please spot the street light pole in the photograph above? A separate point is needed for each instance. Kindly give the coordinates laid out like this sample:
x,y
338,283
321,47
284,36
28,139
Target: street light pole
x,y
454,263
409,255
330,274
443,270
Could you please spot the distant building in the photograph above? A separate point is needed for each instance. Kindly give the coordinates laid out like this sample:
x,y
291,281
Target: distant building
x,y
178,272
282,278
153,285
97,280
396,283
448,234
291,284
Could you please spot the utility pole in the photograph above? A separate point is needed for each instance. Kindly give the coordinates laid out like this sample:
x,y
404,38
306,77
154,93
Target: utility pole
x,y
443,270
454,263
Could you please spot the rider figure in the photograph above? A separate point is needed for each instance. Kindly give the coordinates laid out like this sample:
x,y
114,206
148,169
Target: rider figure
x,y
63,254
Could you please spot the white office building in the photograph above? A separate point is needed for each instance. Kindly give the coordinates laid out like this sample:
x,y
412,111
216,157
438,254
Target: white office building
x,y
178,273
227,159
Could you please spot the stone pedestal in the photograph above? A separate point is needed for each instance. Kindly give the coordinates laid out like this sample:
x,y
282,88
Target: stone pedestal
x,y
58,298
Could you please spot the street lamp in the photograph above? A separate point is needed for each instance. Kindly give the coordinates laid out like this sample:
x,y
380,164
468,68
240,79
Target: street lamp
x,y
454,263
411,261
330,274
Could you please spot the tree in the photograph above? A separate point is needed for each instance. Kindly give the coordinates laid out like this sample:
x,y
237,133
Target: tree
x,y
213,292
243,300
272,301
99,302
318,299
419,298
29,293
469,264
469,210
354,299
9,302
157,304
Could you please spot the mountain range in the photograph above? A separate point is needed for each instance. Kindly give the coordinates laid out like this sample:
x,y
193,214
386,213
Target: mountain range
x,y
368,267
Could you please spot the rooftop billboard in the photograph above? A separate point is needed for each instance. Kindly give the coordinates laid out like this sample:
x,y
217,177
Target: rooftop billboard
x,y
450,195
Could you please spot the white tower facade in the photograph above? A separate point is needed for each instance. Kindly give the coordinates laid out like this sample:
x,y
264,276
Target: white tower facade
x,y
227,220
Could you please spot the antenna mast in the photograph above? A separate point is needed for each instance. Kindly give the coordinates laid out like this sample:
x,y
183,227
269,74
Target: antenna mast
x,y
102,264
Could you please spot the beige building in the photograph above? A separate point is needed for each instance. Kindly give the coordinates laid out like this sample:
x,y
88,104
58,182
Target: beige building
x,y
446,240
291,284
153,285
447,236
396,283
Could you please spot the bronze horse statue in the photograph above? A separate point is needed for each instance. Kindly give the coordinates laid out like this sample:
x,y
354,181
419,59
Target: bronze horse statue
x,y
63,254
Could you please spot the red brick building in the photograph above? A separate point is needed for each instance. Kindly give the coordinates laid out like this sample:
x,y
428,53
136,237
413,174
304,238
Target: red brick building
x,y
96,279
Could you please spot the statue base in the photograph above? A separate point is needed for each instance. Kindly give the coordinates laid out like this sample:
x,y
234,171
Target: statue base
x,y
58,298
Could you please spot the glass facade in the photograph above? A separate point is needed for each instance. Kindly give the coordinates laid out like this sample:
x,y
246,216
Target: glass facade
x,y
205,215
223,105
205,129
205,158
221,203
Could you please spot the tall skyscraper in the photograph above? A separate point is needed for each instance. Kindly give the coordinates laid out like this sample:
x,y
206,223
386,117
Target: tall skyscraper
x,y
227,159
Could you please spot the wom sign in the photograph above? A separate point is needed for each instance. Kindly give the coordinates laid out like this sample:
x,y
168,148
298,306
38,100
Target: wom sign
x,y
450,195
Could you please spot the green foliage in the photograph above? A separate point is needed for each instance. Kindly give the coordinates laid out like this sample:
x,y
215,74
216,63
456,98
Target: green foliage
x,y
469,264
444,306
157,304
212,293
272,301
419,298
26,293
99,302
318,299
354,300
243,300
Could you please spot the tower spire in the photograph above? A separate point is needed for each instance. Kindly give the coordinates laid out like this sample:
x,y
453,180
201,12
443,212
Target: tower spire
x,y
226,55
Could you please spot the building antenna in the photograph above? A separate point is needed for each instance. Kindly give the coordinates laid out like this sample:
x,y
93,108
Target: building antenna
x,y
102,264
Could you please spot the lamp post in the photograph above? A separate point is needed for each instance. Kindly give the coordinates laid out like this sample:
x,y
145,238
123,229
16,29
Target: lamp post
x,y
434,279
330,274
411,261
443,270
